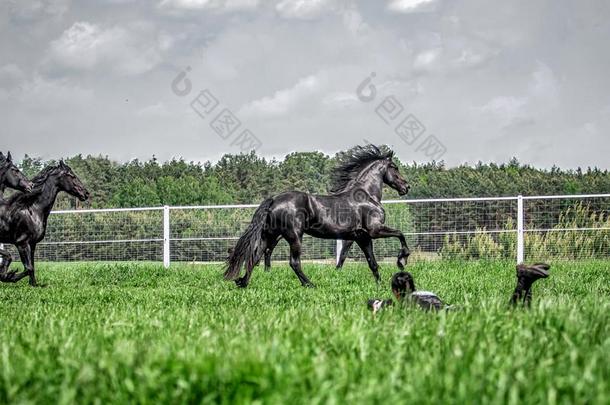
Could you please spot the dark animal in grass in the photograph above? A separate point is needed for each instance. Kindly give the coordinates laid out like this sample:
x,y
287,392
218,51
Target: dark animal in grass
x,y
23,217
11,176
526,276
352,212
403,288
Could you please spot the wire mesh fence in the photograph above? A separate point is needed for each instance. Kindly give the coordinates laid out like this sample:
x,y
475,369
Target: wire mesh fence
x,y
437,228
567,227
205,234
544,228
103,235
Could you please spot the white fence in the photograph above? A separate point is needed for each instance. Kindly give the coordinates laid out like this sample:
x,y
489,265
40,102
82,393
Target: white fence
x,y
522,228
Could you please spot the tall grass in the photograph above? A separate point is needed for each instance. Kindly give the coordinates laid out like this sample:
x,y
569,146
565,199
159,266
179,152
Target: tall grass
x,y
580,233
119,333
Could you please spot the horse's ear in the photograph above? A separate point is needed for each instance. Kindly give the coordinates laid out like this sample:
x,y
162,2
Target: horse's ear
x,y
9,158
62,164
1,155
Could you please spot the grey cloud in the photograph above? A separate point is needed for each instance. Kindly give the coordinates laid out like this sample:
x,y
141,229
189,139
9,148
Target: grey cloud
x,y
490,80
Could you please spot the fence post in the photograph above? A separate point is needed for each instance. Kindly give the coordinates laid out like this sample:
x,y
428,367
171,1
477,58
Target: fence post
x,y
339,247
520,231
166,236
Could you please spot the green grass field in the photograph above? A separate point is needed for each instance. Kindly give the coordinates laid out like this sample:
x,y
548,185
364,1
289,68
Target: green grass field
x,y
139,333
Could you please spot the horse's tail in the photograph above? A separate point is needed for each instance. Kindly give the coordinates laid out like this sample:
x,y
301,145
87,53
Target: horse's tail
x,y
249,248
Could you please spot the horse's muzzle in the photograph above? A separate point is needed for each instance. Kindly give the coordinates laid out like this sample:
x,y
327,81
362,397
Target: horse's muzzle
x,y
83,195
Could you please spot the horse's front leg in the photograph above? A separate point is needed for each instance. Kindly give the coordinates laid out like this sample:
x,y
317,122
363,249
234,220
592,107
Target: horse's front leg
x,y
383,231
7,276
295,259
26,252
6,260
366,244
10,276
271,244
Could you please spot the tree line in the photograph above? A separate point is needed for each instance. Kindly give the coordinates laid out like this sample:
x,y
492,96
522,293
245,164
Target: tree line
x,y
249,178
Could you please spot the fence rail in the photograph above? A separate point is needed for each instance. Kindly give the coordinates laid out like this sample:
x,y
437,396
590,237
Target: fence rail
x,y
525,228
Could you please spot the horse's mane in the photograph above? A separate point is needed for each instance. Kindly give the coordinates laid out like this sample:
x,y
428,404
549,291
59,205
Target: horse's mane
x,y
23,200
44,174
352,162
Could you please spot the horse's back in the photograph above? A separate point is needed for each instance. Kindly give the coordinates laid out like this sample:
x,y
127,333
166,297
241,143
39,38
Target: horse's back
x,y
289,200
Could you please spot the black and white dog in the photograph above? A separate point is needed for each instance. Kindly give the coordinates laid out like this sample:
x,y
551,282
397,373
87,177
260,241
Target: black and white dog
x,y
403,288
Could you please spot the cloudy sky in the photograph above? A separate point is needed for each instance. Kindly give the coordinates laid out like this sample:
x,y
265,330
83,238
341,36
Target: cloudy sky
x,y
469,80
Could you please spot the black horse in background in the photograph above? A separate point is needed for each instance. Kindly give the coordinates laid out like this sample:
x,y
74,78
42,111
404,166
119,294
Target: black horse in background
x,y
11,176
23,217
352,212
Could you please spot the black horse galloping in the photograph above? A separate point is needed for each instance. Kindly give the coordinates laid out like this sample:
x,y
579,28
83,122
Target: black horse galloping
x,y
11,177
23,217
352,212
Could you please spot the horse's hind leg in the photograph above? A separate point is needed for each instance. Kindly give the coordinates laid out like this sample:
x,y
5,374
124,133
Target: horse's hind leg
x,y
268,253
243,282
344,252
295,260
271,244
366,244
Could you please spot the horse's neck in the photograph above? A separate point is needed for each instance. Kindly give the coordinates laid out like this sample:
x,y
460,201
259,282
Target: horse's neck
x,y
47,197
370,180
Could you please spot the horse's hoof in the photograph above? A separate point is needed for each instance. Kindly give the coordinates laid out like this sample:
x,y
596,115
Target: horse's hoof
x,y
402,261
309,284
8,277
241,283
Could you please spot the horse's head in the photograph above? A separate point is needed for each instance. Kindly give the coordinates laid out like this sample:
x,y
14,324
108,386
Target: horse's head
x,y
70,183
12,176
393,178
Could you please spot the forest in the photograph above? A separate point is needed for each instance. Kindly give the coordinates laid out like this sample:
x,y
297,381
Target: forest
x,y
249,178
